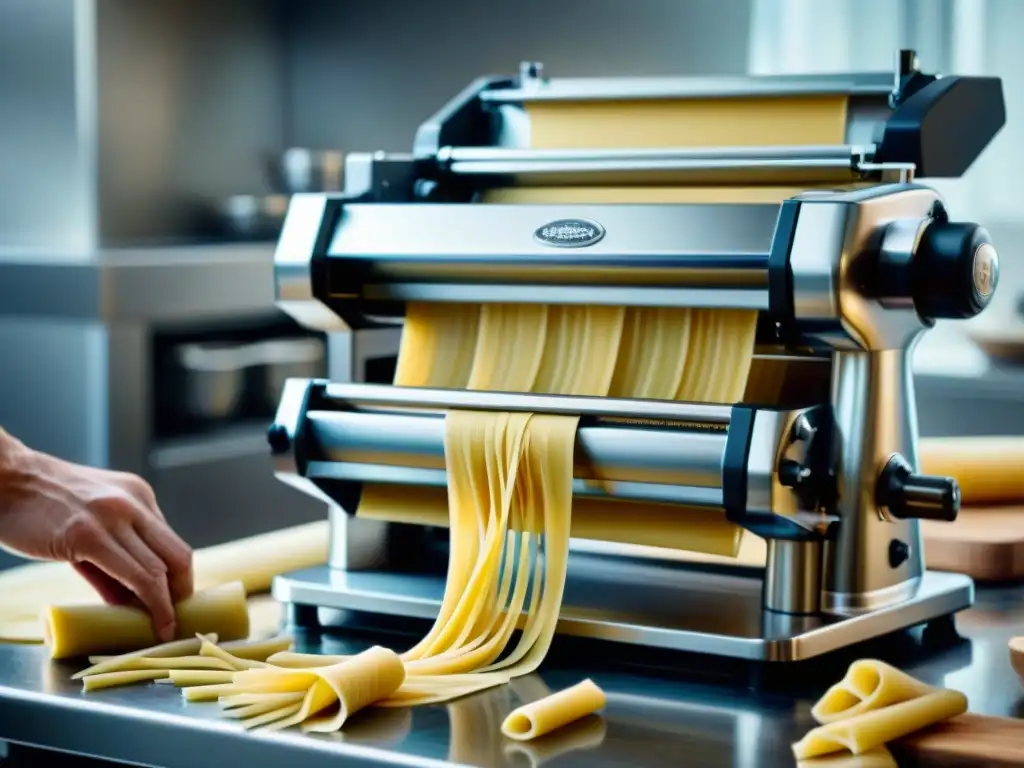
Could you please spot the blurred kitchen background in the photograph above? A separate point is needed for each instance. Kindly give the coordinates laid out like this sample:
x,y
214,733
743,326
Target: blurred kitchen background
x,y
143,173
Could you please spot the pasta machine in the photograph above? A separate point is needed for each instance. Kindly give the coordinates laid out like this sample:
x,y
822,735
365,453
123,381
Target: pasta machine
x,y
845,276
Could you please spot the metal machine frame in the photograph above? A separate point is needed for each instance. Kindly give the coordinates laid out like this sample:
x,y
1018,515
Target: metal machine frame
x,y
845,281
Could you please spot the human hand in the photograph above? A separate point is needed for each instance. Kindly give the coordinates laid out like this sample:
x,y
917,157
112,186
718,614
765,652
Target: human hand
x,y
106,524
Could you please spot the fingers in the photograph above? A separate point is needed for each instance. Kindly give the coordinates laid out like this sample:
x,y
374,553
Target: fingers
x,y
141,491
156,573
159,537
128,560
110,590
175,554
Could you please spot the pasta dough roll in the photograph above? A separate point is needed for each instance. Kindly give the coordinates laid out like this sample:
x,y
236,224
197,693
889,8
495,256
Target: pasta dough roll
x,y
869,684
880,726
552,712
986,467
84,630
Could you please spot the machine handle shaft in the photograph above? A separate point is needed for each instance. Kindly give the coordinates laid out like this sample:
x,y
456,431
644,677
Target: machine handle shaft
x,y
905,495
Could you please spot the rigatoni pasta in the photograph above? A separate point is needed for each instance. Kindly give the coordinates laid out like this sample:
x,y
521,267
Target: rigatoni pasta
x,y
541,717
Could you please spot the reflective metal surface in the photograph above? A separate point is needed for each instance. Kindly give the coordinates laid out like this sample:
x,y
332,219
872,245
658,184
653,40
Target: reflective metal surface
x,y
873,398
610,89
650,255
644,602
409,241
530,167
362,395
142,284
792,577
656,716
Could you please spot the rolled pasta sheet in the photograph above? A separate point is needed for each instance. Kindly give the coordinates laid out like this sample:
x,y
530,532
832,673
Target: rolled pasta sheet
x,y
85,630
553,712
365,679
869,684
876,728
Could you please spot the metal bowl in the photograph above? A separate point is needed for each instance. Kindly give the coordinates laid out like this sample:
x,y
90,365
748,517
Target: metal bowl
x,y
298,170
214,379
290,359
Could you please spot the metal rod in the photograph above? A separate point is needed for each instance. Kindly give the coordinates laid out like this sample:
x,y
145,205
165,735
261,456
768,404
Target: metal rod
x,y
357,396
527,293
409,448
663,172
634,88
653,493
746,165
792,579
841,152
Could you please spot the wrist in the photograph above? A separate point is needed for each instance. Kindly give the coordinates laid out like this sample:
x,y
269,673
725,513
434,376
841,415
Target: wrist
x,y
13,455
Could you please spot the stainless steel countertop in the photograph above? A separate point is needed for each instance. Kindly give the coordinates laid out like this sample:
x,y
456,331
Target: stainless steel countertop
x,y
158,283
656,716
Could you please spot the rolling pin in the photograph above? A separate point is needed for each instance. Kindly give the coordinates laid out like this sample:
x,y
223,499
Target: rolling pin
x,y
990,470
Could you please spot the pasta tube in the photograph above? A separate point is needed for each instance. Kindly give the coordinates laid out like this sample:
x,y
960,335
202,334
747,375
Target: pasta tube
x,y
552,712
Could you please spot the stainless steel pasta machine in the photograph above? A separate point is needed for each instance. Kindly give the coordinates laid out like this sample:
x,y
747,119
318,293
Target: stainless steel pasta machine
x,y
845,280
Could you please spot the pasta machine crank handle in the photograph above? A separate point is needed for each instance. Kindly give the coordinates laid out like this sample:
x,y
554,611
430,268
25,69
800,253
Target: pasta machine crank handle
x,y
904,494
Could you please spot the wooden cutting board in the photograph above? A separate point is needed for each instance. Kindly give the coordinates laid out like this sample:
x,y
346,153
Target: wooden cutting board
x,y
986,543
968,741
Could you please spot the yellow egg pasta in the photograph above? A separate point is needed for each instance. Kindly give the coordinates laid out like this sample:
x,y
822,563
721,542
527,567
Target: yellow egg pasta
x,y
115,679
872,706
554,711
83,630
869,684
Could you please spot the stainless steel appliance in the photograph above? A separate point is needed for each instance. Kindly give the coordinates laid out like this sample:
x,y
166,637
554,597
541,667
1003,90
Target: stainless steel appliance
x,y
845,283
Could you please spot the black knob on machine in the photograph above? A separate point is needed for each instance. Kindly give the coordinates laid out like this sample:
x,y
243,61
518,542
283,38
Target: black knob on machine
x,y
908,495
278,439
954,271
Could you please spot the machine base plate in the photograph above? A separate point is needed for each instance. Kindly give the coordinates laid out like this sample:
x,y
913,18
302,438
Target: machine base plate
x,y
641,602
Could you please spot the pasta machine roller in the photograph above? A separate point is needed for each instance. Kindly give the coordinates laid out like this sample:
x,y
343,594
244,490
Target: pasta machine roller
x,y
845,276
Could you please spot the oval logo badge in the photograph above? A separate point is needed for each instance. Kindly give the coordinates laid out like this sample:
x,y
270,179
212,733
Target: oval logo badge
x,y
569,233
986,270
